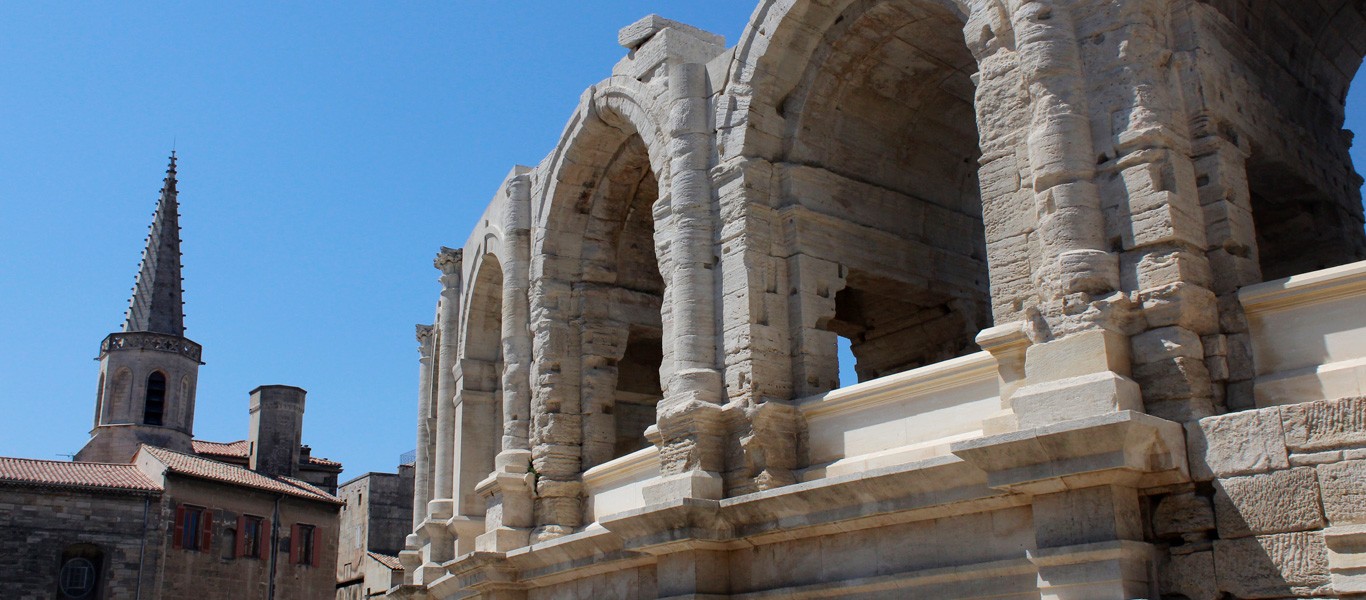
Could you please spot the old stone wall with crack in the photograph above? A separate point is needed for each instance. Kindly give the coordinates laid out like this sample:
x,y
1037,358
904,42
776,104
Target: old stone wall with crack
x,y
1096,262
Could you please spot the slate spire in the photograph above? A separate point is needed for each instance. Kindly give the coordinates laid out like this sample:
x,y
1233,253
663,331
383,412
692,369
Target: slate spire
x,y
156,305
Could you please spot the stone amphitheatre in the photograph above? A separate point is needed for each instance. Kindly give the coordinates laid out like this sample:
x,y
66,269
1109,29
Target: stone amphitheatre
x,y
1098,262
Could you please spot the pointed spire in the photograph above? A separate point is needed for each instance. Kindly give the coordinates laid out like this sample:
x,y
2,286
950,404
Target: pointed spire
x,y
156,305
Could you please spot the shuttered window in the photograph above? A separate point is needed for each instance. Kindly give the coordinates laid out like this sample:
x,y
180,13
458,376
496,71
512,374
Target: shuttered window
x,y
303,544
251,531
193,528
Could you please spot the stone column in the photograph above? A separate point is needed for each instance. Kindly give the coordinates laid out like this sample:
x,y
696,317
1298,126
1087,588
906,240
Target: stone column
x,y
1079,364
422,492
689,427
516,447
442,506
1231,248
507,492
1062,157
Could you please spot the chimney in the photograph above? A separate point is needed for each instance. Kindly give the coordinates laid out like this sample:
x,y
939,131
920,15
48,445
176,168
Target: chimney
x,y
277,424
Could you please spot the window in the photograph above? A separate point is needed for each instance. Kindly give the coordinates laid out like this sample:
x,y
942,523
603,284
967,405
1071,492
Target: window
x,y
155,403
79,575
193,528
250,531
303,545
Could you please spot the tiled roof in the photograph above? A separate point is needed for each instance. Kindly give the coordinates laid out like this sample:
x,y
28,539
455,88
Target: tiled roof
x,y
240,449
204,468
386,560
323,462
54,473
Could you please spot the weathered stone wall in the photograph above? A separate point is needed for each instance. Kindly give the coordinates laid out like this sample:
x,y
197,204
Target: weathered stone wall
x,y
38,524
217,573
1079,188
1276,509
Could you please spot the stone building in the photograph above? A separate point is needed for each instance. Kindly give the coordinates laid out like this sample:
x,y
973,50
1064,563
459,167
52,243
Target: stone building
x,y
146,510
375,520
1096,262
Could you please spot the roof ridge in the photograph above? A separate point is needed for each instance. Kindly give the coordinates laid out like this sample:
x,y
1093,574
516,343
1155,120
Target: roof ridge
x,y
66,462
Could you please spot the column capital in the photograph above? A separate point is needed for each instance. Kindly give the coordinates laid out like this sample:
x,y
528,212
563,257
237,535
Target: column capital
x,y
449,261
424,340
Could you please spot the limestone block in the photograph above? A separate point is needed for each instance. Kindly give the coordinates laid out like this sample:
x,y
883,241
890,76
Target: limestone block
x,y
1181,514
1190,575
1273,566
1236,444
1343,488
1077,397
1184,304
1164,343
1276,502
1347,558
1176,378
1079,354
1324,425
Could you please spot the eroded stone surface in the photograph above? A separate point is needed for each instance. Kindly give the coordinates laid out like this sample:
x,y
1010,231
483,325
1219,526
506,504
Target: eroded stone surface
x,y
1276,502
1344,492
1272,566
1236,444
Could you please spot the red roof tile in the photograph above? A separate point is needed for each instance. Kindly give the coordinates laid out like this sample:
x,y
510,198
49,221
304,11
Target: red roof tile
x,y
204,468
386,560
313,460
26,471
238,448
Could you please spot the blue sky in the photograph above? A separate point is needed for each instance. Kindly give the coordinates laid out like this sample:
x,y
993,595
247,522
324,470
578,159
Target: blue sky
x,y
327,150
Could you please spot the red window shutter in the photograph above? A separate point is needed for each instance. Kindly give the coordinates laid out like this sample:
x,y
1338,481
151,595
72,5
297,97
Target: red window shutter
x,y
317,547
266,538
179,526
241,549
206,534
294,544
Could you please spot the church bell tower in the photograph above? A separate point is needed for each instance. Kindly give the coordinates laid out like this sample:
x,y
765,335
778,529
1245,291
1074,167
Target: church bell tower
x,y
148,371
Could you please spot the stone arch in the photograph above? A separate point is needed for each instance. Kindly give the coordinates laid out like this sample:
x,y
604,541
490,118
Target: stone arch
x,y
121,396
868,111
480,376
599,301
1276,82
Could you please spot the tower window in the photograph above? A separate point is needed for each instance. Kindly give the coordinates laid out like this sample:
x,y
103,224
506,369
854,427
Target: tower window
x,y
155,403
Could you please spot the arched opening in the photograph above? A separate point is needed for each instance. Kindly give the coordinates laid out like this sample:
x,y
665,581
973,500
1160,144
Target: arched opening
x,y
623,295
154,402
1285,102
79,575
881,197
481,368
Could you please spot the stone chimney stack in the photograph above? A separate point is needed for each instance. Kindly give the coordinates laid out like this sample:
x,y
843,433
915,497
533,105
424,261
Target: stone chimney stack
x,y
277,424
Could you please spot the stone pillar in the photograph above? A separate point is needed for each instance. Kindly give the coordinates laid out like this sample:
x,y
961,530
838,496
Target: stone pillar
x,y
1231,248
442,506
1062,160
422,492
689,427
508,491
517,318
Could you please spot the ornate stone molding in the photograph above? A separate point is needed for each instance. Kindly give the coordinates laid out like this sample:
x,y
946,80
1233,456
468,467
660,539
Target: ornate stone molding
x,y
159,342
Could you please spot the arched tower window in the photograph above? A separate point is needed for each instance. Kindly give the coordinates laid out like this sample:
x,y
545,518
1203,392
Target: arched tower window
x,y
155,403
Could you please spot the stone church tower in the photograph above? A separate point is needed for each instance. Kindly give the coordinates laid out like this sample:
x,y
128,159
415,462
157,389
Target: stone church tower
x,y
148,371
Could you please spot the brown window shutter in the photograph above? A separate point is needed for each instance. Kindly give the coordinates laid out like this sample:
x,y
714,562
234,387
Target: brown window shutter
x,y
294,544
317,547
179,526
206,534
266,539
241,549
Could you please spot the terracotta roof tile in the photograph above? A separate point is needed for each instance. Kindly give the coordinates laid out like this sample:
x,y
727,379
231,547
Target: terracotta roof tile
x,y
238,448
386,560
313,460
204,468
25,471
